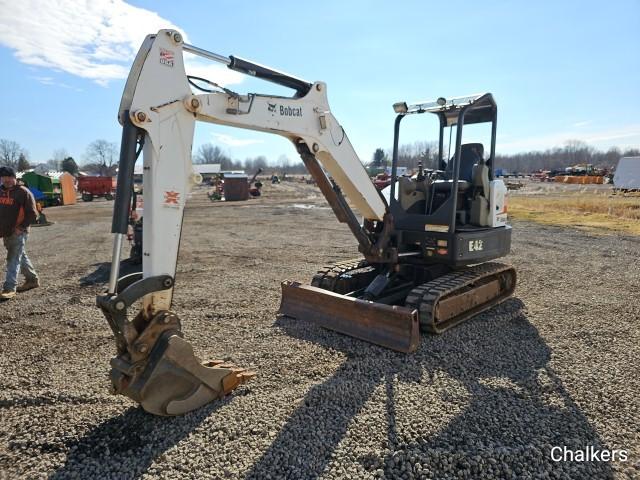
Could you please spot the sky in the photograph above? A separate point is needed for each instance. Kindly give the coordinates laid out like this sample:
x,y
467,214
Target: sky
x,y
559,70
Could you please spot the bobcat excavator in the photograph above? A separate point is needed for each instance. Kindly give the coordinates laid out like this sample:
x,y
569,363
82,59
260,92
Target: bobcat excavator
x,y
425,241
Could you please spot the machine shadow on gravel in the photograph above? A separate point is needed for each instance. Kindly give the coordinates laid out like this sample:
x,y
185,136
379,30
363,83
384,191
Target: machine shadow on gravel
x,y
101,274
125,446
500,359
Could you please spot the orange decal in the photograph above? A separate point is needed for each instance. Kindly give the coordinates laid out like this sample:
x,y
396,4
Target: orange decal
x,y
171,198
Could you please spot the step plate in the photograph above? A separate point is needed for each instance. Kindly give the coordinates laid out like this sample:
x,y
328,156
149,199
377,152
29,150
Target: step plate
x,y
389,326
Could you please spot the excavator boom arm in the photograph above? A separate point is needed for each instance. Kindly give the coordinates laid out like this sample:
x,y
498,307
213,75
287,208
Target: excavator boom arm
x,y
159,102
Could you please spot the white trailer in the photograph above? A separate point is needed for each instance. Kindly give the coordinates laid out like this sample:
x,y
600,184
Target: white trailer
x,y
627,175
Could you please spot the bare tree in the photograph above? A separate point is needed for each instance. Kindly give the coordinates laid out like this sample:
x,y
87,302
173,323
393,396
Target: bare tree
x,y
410,154
284,161
251,164
60,154
101,157
577,151
260,162
209,153
10,152
55,162
53,165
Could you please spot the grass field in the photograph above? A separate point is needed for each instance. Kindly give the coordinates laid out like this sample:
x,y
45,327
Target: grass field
x,y
595,211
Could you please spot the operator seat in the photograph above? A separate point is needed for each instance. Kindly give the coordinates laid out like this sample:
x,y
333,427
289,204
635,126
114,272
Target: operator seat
x,y
480,213
470,154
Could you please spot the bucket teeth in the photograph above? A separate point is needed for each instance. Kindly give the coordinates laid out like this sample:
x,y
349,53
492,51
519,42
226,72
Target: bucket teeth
x,y
229,366
213,363
237,377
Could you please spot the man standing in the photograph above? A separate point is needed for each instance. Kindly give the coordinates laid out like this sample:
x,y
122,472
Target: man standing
x,y
17,212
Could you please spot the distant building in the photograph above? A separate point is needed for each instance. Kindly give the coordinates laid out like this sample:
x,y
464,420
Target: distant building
x,y
207,170
400,171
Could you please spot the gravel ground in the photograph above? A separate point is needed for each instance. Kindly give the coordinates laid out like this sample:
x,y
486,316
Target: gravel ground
x,y
557,365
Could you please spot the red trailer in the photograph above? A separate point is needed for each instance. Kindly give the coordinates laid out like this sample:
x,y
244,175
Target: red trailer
x,y
91,187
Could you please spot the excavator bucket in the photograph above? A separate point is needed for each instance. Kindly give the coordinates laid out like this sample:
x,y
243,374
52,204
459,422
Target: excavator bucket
x,y
390,326
173,381
158,368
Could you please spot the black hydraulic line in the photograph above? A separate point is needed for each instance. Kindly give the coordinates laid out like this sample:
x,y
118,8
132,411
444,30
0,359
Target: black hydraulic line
x,y
456,169
394,158
494,128
126,165
336,200
301,86
443,123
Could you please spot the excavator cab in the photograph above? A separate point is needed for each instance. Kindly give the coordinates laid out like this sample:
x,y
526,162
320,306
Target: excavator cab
x,y
454,215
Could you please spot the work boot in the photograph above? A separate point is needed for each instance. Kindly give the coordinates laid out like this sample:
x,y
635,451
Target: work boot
x,y
28,285
7,294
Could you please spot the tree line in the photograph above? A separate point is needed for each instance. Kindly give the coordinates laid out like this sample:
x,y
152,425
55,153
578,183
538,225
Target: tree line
x,y
573,152
209,153
409,155
101,158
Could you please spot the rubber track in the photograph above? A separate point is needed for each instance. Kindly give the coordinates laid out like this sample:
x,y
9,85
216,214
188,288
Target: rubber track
x,y
425,297
333,277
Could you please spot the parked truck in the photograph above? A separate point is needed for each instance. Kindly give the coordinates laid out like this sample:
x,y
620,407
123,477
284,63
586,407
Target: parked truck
x,y
91,187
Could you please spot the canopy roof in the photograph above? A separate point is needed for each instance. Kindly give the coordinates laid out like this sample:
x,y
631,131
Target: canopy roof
x,y
481,108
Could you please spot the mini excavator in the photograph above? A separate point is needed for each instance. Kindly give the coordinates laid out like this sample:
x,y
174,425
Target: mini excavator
x,y
426,240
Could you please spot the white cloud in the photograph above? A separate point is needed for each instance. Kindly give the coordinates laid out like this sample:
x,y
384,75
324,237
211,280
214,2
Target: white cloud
x,y
90,39
44,80
581,124
50,81
235,142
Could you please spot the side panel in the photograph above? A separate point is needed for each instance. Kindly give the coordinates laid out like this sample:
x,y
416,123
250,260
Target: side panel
x,y
462,248
497,204
480,246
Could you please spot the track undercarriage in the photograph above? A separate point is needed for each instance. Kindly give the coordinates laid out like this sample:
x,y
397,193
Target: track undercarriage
x,y
348,297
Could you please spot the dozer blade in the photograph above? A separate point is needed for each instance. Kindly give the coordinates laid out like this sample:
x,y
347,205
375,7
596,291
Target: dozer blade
x,y
172,381
392,327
